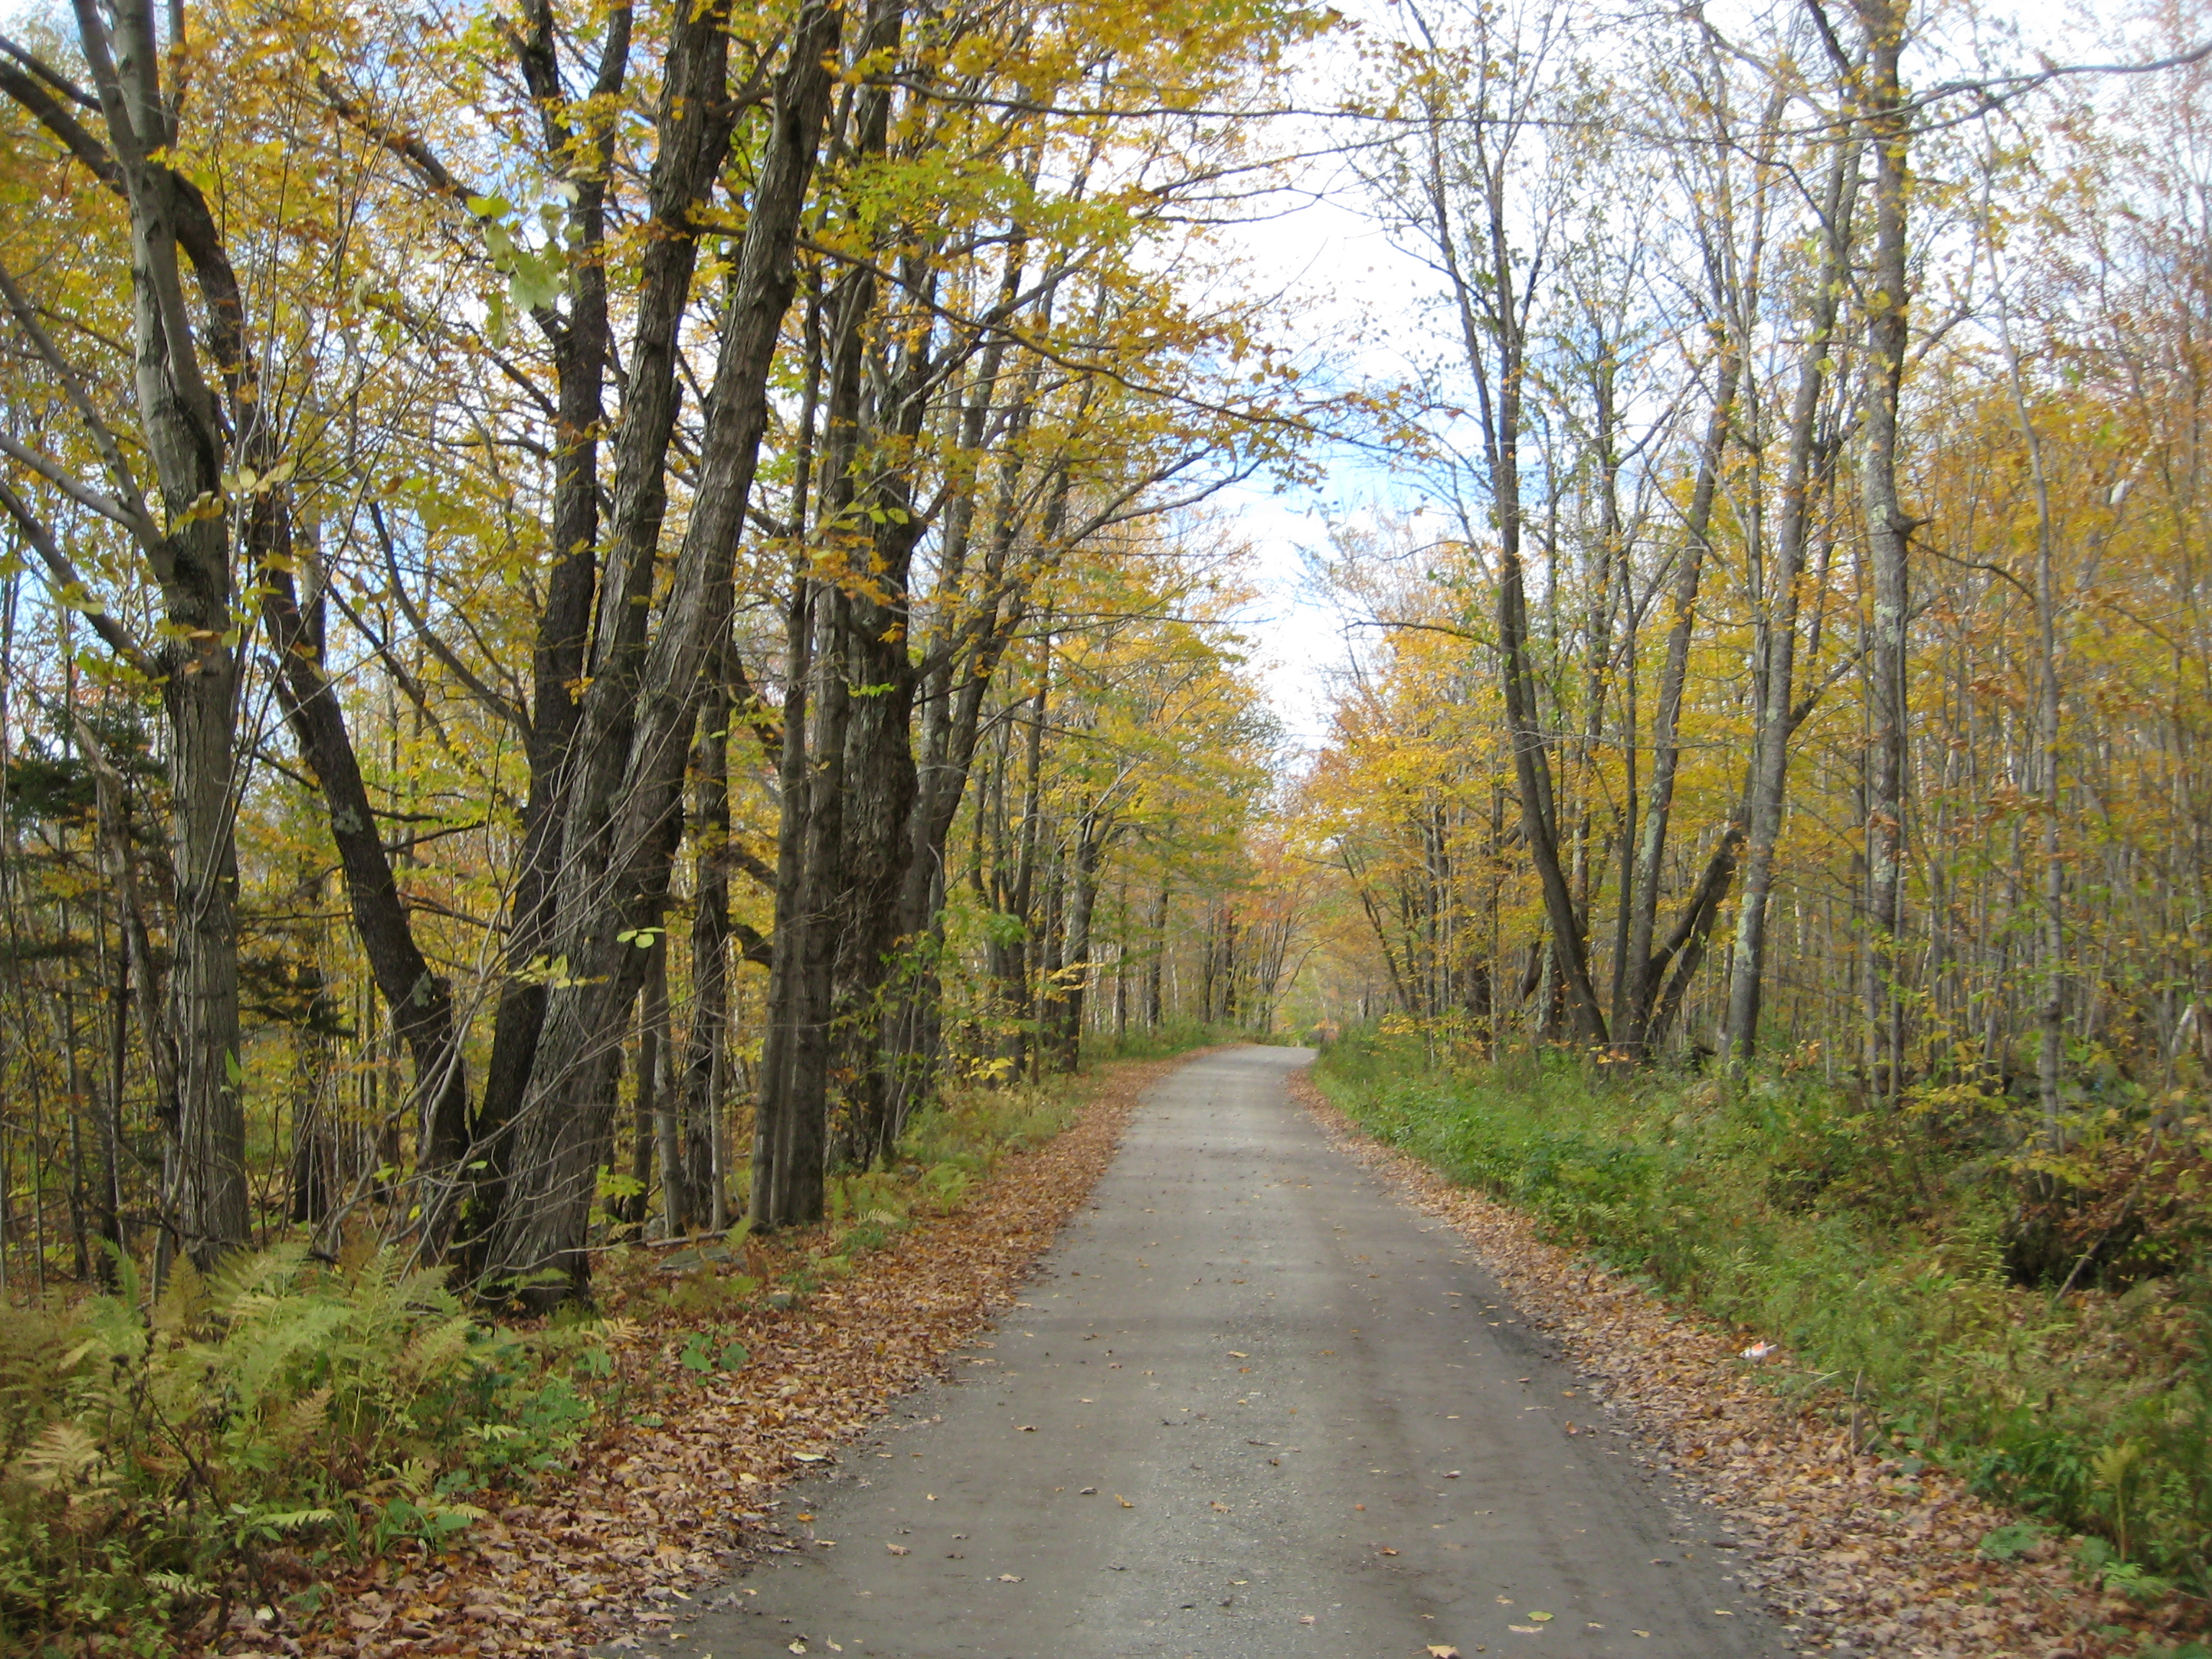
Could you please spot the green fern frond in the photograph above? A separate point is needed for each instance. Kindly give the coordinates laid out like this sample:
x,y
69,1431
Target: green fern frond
x,y
293,1520
57,1457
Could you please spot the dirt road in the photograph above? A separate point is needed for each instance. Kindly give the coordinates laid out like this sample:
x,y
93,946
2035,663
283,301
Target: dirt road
x,y
1252,1406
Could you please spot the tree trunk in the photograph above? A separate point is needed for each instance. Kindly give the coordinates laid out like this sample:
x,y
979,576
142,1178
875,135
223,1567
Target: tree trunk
x,y
1889,132
654,1095
618,843
203,1190
687,1173
1156,970
1491,312
1634,1032
419,999
558,655
794,791
1775,715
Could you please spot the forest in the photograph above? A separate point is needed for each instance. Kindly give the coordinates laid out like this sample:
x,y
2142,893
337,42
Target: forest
x,y
594,601
605,606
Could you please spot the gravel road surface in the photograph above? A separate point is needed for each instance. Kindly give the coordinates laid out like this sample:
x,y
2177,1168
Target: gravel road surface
x,y
1252,1406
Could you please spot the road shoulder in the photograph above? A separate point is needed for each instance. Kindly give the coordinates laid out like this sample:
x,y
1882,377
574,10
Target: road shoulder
x,y
673,1497
1855,1553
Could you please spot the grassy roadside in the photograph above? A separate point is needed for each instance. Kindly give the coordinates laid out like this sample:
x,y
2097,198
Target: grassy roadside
x,y
216,1468
1877,1251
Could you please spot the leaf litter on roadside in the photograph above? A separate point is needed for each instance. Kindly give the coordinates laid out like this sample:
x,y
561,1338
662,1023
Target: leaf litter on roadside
x,y
1851,1549
666,1499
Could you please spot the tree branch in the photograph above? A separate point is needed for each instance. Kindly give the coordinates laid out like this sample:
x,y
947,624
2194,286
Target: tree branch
x,y
63,577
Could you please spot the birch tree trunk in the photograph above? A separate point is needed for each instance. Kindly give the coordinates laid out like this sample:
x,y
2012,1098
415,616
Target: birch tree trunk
x,y
1775,717
1889,134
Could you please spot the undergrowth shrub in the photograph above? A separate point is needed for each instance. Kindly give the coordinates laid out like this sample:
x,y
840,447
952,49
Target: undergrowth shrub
x,y
152,1462
1175,1038
254,1426
970,1127
1875,1245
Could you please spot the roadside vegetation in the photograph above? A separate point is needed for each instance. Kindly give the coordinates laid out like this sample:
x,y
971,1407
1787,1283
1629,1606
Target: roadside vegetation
x,y
249,1433
1902,1260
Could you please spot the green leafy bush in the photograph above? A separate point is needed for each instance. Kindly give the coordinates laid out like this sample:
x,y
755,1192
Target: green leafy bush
x,y
1177,1037
149,1461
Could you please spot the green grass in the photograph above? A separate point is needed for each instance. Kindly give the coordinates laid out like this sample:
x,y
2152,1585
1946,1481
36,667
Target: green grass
x,y
1876,1246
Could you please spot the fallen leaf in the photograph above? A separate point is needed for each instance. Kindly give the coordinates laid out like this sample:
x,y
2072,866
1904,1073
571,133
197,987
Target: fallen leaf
x,y
1123,1502
1696,1406
817,1372
1024,1428
1088,1491
1386,1550
1541,1618
1526,1629
898,1549
1009,1578
1305,1619
1237,1353
1442,1651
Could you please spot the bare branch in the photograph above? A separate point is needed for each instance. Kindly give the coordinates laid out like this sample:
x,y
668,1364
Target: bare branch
x,y
63,577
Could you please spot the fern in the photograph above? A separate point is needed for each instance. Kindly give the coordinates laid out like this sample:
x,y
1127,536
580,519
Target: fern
x,y
144,1457
295,1520
57,1457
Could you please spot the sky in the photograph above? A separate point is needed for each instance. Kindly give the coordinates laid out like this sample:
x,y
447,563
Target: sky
x,y
1334,276
1350,303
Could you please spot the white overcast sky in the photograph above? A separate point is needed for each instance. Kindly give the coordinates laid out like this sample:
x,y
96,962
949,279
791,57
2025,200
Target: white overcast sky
x,y
1345,291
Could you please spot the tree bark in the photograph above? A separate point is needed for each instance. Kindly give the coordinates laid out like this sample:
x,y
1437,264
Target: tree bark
x,y
1775,714
204,1191
1889,133
687,1179
580,360
1632,1030
621,835
1492,314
